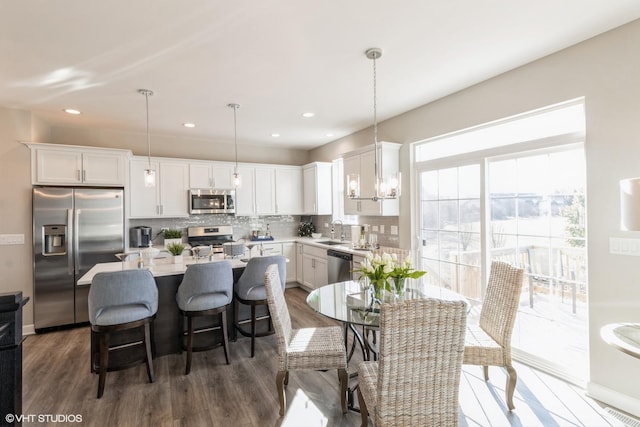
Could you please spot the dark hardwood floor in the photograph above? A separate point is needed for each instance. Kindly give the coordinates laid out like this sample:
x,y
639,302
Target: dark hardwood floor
x,y
57,380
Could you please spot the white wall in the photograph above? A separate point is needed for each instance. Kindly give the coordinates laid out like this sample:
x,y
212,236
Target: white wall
x,y
15,203
171,146
606,71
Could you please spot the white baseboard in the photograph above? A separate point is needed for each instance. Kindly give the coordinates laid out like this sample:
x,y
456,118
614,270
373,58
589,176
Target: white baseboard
x,y
28,330
614,398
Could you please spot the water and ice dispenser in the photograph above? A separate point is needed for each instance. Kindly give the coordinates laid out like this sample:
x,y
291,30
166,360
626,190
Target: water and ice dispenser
x,y
54,240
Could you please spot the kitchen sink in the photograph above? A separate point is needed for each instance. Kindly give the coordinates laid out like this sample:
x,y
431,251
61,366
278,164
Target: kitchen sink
x,y
331,242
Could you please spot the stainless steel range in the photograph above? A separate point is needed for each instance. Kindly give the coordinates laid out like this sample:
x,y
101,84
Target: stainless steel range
x,y
214,236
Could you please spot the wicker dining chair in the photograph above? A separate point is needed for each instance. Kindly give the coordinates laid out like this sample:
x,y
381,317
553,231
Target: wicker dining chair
x,y
416,379
489,342
306,348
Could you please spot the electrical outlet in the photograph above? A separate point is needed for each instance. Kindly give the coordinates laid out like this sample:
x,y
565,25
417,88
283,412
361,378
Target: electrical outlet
x,y
326,225
374,228
394,230
163,229
382,229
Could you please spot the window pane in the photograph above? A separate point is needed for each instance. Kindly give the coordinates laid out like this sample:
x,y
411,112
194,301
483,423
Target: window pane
x,y
430,215
448,183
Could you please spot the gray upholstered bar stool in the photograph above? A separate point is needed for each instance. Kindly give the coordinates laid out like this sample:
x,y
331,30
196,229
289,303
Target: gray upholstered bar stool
x,y
249,290
206,289
118,301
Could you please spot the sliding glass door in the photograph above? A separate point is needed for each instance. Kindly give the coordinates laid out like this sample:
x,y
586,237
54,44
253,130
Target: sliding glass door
x,y
526,208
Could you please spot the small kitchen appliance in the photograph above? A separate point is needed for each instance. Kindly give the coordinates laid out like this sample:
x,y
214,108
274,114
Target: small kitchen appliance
x,y
140,236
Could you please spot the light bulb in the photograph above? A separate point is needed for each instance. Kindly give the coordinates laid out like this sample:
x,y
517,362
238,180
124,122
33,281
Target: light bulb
x,y
237,180
149,178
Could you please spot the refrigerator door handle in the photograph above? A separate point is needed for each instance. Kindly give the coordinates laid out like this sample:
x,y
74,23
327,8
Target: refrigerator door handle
x,y
68,241
76,245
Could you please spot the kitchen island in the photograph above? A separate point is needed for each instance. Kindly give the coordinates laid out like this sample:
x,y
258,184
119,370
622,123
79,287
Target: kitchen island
x,y
167,327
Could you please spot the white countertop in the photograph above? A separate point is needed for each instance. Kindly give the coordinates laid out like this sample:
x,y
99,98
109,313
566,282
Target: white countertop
x,y
160,267
165,267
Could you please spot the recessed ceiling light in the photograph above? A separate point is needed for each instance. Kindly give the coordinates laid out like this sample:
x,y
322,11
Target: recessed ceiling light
x,y
71,111
189,125
308,115
275,135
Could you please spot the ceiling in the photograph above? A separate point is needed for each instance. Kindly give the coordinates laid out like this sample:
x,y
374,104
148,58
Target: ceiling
x,y
277,59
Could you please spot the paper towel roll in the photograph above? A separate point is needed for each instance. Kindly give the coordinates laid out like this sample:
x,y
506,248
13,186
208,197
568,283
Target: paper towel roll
x,y
355,234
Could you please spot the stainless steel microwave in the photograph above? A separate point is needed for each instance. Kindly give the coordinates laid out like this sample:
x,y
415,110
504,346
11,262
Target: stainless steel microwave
x,y
211,201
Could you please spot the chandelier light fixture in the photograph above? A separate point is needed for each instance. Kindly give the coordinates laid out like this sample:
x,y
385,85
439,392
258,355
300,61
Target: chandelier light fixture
x,y
149,174
237,181
384,187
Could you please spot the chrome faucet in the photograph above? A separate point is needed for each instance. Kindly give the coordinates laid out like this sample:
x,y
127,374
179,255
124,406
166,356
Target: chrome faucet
x,y
342,235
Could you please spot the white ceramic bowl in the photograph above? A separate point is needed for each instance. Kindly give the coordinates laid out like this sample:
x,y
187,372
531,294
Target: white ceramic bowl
x,y
316,235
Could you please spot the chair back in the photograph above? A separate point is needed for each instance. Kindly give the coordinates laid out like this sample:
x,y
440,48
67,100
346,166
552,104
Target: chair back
x,y
203,279
253,275
122,288
419,364
500,304
279,311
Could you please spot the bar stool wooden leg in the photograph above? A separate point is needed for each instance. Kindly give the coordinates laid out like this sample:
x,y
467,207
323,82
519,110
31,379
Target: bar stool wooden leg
x,y
189,343
225,339
148,354
253,329
104,362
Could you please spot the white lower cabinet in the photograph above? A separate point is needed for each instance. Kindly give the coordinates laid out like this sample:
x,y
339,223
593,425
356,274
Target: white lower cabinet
x,y
288,250
314,267
357,264
299,247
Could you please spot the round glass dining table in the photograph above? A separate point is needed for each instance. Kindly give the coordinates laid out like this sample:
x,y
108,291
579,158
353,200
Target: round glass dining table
x,y
350,302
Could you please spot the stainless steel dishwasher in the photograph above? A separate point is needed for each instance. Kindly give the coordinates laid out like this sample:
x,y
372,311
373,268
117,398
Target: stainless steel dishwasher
x,y
339,266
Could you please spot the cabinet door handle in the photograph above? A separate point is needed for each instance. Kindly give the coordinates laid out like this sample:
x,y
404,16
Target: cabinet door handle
x,y
78,174
84,175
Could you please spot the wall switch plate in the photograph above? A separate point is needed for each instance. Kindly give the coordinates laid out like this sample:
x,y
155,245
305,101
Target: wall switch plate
x,y
394,230
624,246
374,228
326,225
11,239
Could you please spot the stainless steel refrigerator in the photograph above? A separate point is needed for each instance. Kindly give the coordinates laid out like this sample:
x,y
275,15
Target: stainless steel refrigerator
x,y
73,229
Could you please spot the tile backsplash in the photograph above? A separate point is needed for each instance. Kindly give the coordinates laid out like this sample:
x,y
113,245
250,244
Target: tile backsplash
x,y
282,226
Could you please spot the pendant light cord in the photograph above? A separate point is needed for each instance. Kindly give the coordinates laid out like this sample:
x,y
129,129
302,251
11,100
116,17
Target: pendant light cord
x,y
146,96
235,135
147,93
375,124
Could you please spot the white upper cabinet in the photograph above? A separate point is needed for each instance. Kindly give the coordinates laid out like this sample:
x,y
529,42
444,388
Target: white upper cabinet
x,y
317,188
245,204
168,198
269,190
288,190
362,162
211,175
73,165
265,187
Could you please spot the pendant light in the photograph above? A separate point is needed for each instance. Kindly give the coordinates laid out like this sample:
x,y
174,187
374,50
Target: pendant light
x,y
149,174
388,188
237,181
